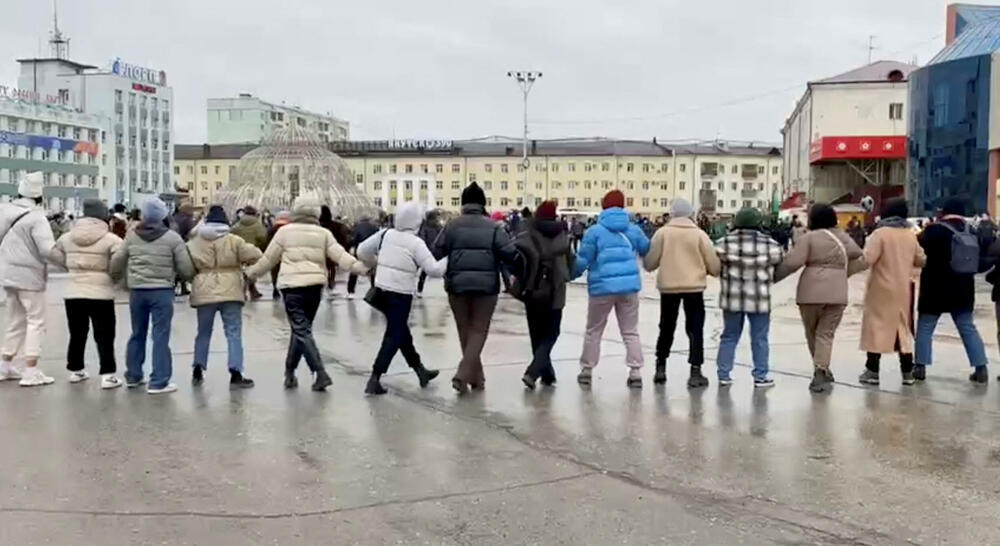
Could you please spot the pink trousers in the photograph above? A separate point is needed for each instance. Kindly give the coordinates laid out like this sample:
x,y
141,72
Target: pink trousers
x,y
626,308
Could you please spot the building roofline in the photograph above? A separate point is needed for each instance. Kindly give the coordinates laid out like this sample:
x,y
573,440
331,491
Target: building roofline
x,y
81,66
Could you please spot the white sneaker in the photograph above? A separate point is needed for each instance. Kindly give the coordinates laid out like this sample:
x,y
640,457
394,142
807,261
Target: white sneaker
x,y
110,381
33,377
420,295
350,296
9,371
168,388
76,377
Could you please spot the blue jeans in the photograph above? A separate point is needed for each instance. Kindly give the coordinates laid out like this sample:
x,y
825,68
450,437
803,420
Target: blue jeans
x,y
974,348
157,303
232,324
732,329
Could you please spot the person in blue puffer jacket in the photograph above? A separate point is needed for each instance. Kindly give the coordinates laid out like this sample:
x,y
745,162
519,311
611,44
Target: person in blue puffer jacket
x,y
609,256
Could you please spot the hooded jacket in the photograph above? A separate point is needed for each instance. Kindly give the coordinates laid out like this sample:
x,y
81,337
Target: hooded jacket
x,y
684,255
608,254
302,248
218,257
251,230
152,256
25,246
403,254
547,240
476,248
86,253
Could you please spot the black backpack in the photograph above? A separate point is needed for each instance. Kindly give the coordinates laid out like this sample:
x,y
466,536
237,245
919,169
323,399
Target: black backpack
x,y
538,279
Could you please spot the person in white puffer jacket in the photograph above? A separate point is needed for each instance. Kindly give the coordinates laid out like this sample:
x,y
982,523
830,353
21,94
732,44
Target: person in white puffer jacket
x,y
85,251
25,243
399,255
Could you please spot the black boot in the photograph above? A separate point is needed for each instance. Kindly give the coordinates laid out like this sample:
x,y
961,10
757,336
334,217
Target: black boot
x,y
322,381
660,377
424,375
822,382
980,375
197,376
919,372
697,380
236,380
374,387
291,382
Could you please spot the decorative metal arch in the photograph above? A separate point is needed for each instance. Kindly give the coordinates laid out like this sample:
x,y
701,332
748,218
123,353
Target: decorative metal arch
x,y
292,162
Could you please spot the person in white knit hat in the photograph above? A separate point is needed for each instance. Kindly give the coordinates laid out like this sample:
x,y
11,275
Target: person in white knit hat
x,y
25,242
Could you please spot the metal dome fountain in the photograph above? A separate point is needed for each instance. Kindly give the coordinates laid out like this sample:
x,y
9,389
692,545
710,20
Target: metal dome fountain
x,y
293,162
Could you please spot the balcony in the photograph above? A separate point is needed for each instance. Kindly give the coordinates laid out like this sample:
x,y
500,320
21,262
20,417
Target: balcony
x,y
709,170
748,193
749,172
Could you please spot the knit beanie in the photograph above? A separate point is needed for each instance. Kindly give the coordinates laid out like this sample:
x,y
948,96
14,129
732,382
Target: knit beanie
x,y
954,205
216,215
249,210
153,210
748,218
614,198
31,185
95,208
473,195
306,205
681,208
546,211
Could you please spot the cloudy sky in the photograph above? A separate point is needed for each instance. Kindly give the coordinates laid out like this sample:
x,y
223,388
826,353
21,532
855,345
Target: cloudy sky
x,y
674,69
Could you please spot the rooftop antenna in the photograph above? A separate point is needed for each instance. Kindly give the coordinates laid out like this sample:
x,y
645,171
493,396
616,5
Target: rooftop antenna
x,y
871,47
58,43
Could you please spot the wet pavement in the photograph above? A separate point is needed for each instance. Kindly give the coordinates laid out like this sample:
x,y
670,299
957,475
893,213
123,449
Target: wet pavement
x,y
606,465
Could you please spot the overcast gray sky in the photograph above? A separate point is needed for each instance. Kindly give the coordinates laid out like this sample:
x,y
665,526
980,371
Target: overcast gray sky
x,y
436,69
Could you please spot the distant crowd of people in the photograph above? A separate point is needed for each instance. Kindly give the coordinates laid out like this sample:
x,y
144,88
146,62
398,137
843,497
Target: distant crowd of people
x,y
533,255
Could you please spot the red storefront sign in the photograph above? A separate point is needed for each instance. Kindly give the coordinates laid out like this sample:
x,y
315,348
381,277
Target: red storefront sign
x,y
143,88
862,147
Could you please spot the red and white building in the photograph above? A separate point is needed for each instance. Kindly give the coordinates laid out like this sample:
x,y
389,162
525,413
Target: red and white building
x,y
847,136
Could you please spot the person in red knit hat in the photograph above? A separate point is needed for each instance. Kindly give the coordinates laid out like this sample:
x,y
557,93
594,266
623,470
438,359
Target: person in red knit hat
x,y
546,262
608,256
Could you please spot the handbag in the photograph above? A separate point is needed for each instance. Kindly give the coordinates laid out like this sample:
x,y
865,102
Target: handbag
x,y
374,295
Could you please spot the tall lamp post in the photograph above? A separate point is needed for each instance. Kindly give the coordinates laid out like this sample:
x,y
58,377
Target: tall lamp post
x,y
525,80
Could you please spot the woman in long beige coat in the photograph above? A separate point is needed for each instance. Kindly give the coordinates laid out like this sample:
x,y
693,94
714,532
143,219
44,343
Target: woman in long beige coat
x,y
893,254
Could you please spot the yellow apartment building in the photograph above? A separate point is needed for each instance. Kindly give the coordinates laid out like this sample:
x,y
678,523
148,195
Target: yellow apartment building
x,y
719,177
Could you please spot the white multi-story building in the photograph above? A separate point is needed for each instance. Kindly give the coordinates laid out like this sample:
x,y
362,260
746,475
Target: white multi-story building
x,y
135,106
37,133
248,119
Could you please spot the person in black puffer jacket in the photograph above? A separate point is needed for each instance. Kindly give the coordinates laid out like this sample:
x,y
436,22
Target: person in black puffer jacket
x,y
548,260
477,249
363,229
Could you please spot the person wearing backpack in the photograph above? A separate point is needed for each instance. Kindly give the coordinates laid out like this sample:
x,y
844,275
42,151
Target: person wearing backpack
x,y
947,285
547,261
685,257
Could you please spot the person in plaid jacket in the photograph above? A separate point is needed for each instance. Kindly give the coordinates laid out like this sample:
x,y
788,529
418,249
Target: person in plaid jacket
x,y
748,257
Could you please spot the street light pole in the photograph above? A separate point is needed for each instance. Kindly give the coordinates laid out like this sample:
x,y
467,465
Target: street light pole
x,y
525,80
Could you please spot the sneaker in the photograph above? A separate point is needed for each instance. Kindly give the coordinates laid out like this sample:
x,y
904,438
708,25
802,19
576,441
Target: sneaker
x,y
585,377
110,382
919,372
197,376
33,377
76,377
350,296
8,371
765,383
634,382
166,389
660,377
869,377
725,381
980,375
822,381
908,378
129,383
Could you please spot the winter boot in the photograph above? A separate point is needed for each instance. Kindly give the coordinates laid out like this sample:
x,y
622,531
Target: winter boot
x,y
528,380
374,387
322,381
197,376
291,382
822,382
919,372
424,375
697,380
660,377
634,379
980,375
868,377
237,381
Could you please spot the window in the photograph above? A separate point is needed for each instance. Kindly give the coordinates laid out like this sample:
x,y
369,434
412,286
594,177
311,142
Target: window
x,y
895,110
683,167
408,185
423,184
455,167
722,186
629,201
556,185
377,185
218,185
645,185
555,167
587,167
204,186
217,169
487,185
646,167
177,170
720,203
664,202
408,168
664,167
488,167
377,169
489,201
570,202
747,203
392,169
760,169
586,184
472,177
504,202
392,184
681,184
748,186
439,185
605,167
204,199
736,169
359,178
454,201
503,184
586,201
439,168
503,167
629,167
571,184
571,166
732,203
706,185
204,170
645,202
190,169
760,187
456,185
733,186
423,168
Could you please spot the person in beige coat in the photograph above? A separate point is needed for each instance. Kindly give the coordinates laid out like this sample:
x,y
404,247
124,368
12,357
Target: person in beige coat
x,y
893,255
828,255
90,293
218,257
302,248
684,256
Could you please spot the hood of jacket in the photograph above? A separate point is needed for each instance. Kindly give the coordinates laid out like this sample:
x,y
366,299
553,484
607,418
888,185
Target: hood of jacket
x,y
682,222
150,232
614,219
409,216
211,231
548,227
87,231
248,220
